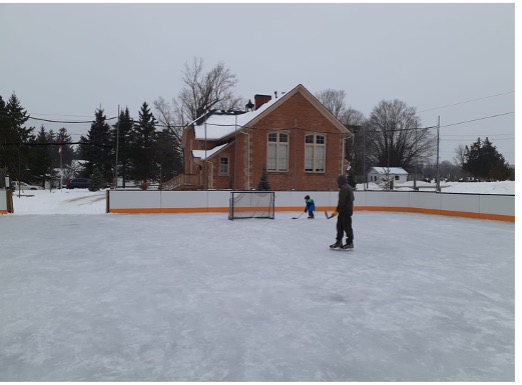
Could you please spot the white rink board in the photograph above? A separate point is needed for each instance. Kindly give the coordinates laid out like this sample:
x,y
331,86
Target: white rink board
x,y
211,200
3,201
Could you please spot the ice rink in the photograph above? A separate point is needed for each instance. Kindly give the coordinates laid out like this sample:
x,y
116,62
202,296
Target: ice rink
x,y
196,297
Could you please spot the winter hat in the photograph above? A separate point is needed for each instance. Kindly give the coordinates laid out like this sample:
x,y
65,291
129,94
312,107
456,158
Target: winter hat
x,y
341,181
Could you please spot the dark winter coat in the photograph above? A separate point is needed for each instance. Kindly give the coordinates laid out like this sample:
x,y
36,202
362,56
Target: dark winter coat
x,y
346,196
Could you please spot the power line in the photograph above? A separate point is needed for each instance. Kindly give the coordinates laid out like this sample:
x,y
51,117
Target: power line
x,y
31,144
68,121
446,135
241,126
467,101
47,114
460,140
475,120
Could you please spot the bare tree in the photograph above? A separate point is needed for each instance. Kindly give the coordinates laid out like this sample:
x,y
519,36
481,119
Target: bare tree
x,y
460,155
334,101
351,118
202,92
169,117
395,138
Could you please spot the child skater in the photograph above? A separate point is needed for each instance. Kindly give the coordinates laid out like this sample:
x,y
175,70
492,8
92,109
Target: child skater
x,y
310,207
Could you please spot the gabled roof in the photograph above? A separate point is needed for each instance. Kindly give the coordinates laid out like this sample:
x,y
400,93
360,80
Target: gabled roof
x,y
388,170
219,125
207,154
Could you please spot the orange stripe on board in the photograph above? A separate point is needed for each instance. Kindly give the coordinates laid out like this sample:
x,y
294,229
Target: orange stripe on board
x,y
170,210
192,210
3,211
464,214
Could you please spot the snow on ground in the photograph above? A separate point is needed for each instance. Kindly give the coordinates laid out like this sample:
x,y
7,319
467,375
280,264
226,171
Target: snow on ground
x,y
75,201
82,201
504,187
196,297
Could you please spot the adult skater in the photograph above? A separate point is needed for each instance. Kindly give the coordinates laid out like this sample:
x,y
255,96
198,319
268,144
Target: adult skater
x,y
310,206
344,215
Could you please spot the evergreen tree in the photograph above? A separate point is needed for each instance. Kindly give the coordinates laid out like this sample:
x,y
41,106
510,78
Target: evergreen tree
x,y
97,180
14,137
96,148
482,160
168,154
143,137
264,185
67,149
121,137
41,160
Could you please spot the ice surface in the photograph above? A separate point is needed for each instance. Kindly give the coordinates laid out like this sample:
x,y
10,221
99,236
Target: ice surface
x,y
196,297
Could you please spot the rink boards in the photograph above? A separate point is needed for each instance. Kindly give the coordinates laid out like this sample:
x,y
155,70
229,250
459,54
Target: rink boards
x,y
482,206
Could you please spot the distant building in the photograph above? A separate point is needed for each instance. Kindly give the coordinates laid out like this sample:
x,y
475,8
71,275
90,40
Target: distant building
x,y
396,174
299,142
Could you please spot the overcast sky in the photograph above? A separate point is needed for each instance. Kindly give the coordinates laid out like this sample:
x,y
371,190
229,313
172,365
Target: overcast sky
x,y
456,61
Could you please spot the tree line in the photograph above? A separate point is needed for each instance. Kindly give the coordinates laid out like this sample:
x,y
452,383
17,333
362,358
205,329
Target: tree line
x,y
393,136
143,152
149,148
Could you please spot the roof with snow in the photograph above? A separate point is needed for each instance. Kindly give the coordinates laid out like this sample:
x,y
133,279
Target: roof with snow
x,y
208,153
219,124
388,170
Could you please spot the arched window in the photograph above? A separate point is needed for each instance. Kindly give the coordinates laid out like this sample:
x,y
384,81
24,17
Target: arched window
x,y
315,153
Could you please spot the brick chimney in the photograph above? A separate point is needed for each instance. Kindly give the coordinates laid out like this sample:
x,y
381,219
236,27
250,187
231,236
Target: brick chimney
x,y
259,100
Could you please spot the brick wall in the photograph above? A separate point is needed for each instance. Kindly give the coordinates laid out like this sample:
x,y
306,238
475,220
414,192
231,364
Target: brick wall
x,y
297,117
247,154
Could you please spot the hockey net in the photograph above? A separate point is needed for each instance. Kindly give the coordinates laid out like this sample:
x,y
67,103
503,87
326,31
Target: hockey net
x,y
251,204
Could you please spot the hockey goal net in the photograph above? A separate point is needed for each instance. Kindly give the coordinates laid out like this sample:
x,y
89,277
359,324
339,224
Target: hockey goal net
x,y
251,204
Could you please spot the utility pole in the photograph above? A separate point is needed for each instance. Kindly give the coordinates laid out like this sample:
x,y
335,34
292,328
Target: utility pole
x,y
205,162
438,149
117,145
60,151
364,159
415,159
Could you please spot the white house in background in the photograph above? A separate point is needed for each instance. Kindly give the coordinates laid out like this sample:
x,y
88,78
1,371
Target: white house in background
x,y
397,174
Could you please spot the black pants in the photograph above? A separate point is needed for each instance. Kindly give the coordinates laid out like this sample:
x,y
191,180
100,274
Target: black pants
x,y
344,225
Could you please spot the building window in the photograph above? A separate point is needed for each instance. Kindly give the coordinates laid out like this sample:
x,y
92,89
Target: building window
x,y
315,153
223,166
277,157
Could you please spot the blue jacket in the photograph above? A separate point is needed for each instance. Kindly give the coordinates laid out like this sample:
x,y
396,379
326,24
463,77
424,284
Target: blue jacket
x,y
310,205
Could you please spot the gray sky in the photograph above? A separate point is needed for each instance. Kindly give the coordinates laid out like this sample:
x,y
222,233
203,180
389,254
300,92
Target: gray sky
x,y
65,60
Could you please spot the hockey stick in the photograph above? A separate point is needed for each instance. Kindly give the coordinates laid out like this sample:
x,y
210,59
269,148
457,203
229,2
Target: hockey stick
x,y
334,214
298,216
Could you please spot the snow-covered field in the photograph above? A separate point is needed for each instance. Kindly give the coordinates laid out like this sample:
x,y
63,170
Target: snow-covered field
x,y
82,201
505,187
195,297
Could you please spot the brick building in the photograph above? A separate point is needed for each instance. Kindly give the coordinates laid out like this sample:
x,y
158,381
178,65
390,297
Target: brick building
x,y
298,141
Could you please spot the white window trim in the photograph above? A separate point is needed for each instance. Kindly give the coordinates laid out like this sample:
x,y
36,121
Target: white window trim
x,y
314,146
228,166
281,162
